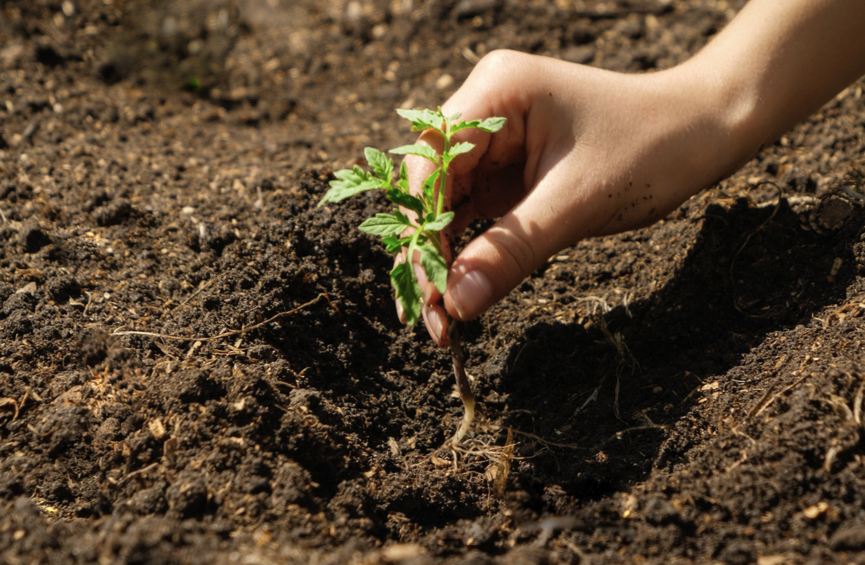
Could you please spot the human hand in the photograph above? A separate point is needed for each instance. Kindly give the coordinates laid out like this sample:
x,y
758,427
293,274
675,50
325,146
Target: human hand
x,y
585,152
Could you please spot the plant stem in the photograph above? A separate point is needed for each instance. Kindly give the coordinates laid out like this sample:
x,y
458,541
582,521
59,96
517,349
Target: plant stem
x,y
440,205
463,386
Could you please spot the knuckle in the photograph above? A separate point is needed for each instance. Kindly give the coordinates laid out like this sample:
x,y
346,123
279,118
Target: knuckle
x,y
497,59
516,251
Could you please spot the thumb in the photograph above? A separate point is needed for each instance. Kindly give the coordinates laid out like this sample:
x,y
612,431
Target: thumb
x,y
495,262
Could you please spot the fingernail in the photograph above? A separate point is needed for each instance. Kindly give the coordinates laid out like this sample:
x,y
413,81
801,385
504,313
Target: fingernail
x,y
400,312
423,282
433,323
470,293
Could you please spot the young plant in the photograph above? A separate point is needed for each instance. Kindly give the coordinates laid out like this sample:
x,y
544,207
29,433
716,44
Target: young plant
x,y
417,221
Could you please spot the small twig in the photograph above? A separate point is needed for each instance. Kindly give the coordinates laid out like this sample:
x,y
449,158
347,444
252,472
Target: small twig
x,y
504,467
544,442
10,402
232,332
138,472
194,294
857,404
768,400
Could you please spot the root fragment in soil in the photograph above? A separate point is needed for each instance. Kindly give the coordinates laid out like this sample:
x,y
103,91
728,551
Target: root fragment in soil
x,y
464,388
231,332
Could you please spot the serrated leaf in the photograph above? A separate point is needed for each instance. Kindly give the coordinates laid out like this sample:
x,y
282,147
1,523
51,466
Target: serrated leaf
x,y
379,162
428,188
439,223
417,149
402,217
357,174
407,291
434,265
405,200
403,177
457,149
461,147
465,125
384,225
422,119
490,125
348,186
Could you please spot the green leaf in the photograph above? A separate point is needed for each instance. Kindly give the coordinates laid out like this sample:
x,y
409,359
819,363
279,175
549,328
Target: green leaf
x,y
384,225
457,149
422,119
402,217
417,149
465,125
350,182
460,148
403,177
490,125
379,162
394,244
434,265
405,200
429,186
407,291
439,223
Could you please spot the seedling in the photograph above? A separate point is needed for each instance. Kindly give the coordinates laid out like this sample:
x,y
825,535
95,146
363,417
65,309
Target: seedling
x,y
416,224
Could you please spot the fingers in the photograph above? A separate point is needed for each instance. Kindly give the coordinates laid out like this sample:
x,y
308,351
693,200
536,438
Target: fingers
x,y
433,312
484,182
436,320
544,222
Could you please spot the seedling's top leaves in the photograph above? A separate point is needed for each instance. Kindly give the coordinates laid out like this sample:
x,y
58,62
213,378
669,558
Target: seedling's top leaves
x,y
407,291
417,149
422,119
430,219
350,182
385,225
490,125
380,164
458,149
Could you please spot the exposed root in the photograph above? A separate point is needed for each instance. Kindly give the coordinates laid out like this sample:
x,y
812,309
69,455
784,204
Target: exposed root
x,y
770,398
464,388
232,332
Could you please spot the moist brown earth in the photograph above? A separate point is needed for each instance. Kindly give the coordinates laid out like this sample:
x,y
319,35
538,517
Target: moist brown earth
x,y
686,393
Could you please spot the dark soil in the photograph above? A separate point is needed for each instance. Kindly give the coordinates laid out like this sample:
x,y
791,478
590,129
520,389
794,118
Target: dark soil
x,y
690,392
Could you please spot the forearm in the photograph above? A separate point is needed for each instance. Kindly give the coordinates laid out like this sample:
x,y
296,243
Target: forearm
x,y
779,61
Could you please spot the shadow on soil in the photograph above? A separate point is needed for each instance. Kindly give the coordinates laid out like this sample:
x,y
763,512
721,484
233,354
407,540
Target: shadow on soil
x,y
602,396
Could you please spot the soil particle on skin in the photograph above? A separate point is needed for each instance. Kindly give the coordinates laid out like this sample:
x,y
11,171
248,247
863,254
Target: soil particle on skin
x,y
199,365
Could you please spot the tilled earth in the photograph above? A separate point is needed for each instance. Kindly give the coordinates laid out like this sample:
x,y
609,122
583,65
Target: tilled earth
x,y
197,365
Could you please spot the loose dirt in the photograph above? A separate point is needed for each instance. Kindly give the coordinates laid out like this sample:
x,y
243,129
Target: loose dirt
x,y
199,366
